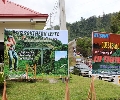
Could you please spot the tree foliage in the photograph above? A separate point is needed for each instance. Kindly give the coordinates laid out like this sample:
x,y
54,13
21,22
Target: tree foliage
x,y
82,30
84,46
115,26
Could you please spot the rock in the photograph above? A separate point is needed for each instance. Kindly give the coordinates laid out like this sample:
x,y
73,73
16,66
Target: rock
x,y
52,80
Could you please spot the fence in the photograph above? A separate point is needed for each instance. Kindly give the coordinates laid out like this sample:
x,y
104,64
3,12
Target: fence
x,y
91,93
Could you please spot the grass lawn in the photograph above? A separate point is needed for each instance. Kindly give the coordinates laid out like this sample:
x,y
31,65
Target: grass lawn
x,y
44,90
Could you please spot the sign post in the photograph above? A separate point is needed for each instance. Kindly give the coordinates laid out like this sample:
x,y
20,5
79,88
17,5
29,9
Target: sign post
x,y
26,71
4,96
67,97
91,93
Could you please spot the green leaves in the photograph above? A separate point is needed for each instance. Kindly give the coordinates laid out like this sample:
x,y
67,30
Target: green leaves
x,y
115,23
84,46
1,77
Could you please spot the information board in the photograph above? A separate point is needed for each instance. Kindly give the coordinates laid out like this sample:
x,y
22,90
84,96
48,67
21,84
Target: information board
x,y
106,52
47,49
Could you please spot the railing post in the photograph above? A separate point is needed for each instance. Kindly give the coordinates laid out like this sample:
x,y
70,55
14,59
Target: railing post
x,y
91,93
67,97
4,96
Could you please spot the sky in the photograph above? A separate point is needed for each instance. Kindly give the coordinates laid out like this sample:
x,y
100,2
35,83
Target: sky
x,y
74,9
60,54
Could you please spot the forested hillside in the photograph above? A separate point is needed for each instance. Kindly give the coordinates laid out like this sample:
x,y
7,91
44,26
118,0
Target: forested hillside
x,y
84,27
107,23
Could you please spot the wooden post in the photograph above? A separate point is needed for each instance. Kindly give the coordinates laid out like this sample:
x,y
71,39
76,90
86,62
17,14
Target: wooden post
x,y
67,90
4,96
91,93
26,71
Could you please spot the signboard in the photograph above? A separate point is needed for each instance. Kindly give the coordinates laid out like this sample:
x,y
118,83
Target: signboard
x,y
48,49
106,52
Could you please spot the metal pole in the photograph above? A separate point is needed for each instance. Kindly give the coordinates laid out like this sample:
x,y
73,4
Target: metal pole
x,y
41,56
62,20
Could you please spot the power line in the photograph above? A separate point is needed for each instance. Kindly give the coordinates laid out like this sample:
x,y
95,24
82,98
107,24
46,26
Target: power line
x,y
55,14
49,20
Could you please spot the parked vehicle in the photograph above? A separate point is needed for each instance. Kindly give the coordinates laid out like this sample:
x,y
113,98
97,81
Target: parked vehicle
x,y
106,76
71,69
81,69
115,73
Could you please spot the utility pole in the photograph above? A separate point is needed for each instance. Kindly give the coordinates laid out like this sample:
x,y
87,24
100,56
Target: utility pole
x,y
62,17
62,21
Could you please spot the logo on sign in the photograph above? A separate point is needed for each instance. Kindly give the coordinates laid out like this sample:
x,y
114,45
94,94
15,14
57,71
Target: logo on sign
x,y
101,35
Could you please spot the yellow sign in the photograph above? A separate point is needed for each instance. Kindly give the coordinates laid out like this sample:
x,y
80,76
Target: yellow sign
x,y
110,45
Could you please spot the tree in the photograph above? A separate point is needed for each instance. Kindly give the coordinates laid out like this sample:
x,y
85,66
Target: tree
x,y
57,27
84,46
115,26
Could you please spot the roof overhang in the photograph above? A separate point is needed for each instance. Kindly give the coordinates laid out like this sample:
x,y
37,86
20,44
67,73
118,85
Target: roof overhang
x,y
24,15
23,19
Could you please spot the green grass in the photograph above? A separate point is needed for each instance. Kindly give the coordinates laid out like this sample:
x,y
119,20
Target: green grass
x,y
78,86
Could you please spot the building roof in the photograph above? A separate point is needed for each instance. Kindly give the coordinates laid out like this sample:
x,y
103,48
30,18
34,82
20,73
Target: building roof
x,y
11,9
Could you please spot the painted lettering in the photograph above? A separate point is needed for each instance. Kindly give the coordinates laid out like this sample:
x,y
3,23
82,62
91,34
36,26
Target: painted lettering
x,y
106,59
110,45
117,59
109,59
109,67
101,35
104,52
97,58
53,34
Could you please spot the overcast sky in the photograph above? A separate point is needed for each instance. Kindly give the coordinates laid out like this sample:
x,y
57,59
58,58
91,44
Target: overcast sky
x,y
75,9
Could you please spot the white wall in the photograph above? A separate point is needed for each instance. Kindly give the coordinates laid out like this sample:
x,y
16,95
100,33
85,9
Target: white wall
x,y
18,25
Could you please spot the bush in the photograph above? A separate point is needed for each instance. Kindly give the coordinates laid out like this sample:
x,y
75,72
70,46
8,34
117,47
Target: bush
x,y
1,77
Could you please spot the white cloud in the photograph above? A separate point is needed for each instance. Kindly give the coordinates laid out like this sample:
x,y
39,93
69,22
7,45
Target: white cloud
x,y
63,56
57,57
62,51
75,9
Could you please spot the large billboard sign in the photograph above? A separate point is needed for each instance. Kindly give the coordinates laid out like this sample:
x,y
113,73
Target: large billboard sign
x,y
47,49
106,52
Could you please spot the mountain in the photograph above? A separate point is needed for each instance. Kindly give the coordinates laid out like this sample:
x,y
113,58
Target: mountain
x,y
84,27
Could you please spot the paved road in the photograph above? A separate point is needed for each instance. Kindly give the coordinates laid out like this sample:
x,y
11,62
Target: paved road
x,y
71,44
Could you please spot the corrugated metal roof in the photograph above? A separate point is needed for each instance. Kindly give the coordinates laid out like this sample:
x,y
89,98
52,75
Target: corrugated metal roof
x,y
13,9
